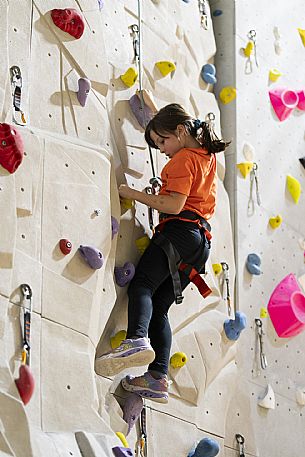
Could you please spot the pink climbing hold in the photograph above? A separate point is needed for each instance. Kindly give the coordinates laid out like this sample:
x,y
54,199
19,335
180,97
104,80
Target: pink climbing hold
x,y
301,103
25,383
286,307
283,101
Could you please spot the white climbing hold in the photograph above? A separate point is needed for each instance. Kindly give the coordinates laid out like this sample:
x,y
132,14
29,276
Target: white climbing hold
x,y
248,152
267,398
300,395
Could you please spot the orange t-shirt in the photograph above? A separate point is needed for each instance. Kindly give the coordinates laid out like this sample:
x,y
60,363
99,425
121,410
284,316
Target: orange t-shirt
x,y
192,172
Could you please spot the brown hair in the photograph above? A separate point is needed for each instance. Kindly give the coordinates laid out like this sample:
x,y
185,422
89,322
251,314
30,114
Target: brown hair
x,y
170,116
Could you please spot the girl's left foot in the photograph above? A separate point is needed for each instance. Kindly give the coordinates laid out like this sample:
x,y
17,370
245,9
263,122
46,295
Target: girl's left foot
x,y
148,387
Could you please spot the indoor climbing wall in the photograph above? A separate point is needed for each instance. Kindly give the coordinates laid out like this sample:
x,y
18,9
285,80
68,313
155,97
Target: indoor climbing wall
x,y
264,62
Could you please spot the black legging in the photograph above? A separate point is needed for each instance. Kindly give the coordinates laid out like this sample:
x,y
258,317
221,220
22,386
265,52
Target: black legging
x,y
151,291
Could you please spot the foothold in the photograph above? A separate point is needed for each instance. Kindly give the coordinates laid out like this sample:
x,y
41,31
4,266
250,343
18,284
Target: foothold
x,y
302,161
253,264
294,188
142,243
116,340
132,409
208,73
178,360
207,447
227,94
302,35
217,13
248,152
84,86
129,77
283,101
127,203
119,451
275,221
263,313
69,20
233,327
65,246
217,268
301,102
267,398
142,114
25,383
249,49
300,396
11,148
92,256
122,437
114,227
245,168
274,75
123,275
165,67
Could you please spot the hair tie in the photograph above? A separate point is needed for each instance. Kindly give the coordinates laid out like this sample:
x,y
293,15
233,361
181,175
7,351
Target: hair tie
x,y
197,124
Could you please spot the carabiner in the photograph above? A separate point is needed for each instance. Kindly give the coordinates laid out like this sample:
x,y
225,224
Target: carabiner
x,y
240,441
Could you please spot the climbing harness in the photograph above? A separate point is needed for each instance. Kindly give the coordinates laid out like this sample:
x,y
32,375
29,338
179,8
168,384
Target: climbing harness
x,y
251,47
25,320
203,10
153,189
226,286
260,334
141,445
16,85
253,178
240,441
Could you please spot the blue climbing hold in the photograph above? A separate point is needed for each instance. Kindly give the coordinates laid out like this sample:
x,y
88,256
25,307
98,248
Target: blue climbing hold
x,y
207,447
253,264
208,73
233,327
217,13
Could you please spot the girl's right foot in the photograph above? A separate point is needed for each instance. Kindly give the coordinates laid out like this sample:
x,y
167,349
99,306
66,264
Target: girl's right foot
x,y
147,387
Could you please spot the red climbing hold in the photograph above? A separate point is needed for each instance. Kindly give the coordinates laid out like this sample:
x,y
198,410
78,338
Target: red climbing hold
x,y
11,148
69,20
25,383
65,246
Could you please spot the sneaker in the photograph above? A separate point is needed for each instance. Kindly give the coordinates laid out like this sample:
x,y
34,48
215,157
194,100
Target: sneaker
x,y
131,353
147,386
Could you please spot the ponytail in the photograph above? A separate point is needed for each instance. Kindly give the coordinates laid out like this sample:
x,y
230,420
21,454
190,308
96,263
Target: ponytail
x,y
205,134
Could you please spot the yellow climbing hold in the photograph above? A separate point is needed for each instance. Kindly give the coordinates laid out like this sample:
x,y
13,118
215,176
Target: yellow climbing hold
x,y
227,94
116,340
178,360
245,168
142,243
166,67
249,49
122,438
302,35
127,203
129,77
274,74
263,312
294,188
275,221
217,268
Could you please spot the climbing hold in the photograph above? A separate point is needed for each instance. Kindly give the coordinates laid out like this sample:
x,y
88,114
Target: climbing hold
x,y
274,75
116,340
178,360
208,73
302,35
233,327
100,4
283,101
286,307
121,436
119,451
186,1
267,398
248,152
132,409
142,243
129,77
275,221
253,264
227,94
300,396
114,226
142,114
301,102
25,383
127,203
294,188
263,312
65,246
245,168
207,447
11,148
217,268
84,86
69,20
92,256
123,275
249,48
165,67
302,161
217,13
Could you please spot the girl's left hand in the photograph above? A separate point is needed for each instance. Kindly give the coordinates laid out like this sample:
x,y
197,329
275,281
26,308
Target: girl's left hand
x,y
125,191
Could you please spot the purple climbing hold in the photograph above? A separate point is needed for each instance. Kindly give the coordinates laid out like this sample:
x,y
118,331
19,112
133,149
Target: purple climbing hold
x,y
100,4
84,86
143,114
132,409
123,275
114,226
92,255
120,451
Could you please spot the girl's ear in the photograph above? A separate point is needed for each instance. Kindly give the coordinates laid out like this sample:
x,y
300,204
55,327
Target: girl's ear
x,y
180,130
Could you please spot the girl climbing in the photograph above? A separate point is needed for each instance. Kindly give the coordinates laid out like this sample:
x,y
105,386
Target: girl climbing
x,y
177,252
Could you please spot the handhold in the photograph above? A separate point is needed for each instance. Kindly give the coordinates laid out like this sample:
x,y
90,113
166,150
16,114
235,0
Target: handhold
x,y
301,103
207,447
165,67
248,152
84,86
267,398
253,264
116,340
274,75
127,203
227,94
263,312
275,221
25,383
123,275
233,327
249,48
294,188
217,268
208,73
92,255
217,13
245,168
11,148
129,77
302,35
119,451
142,243
302,161
69,20
142,114
65,246
283,101
300,396
132,409
121,436
178,360
114,227
286,307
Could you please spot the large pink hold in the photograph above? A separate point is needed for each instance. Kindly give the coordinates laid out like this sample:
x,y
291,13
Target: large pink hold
x,y
301,103
69,20
11,148
286,307
283,101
